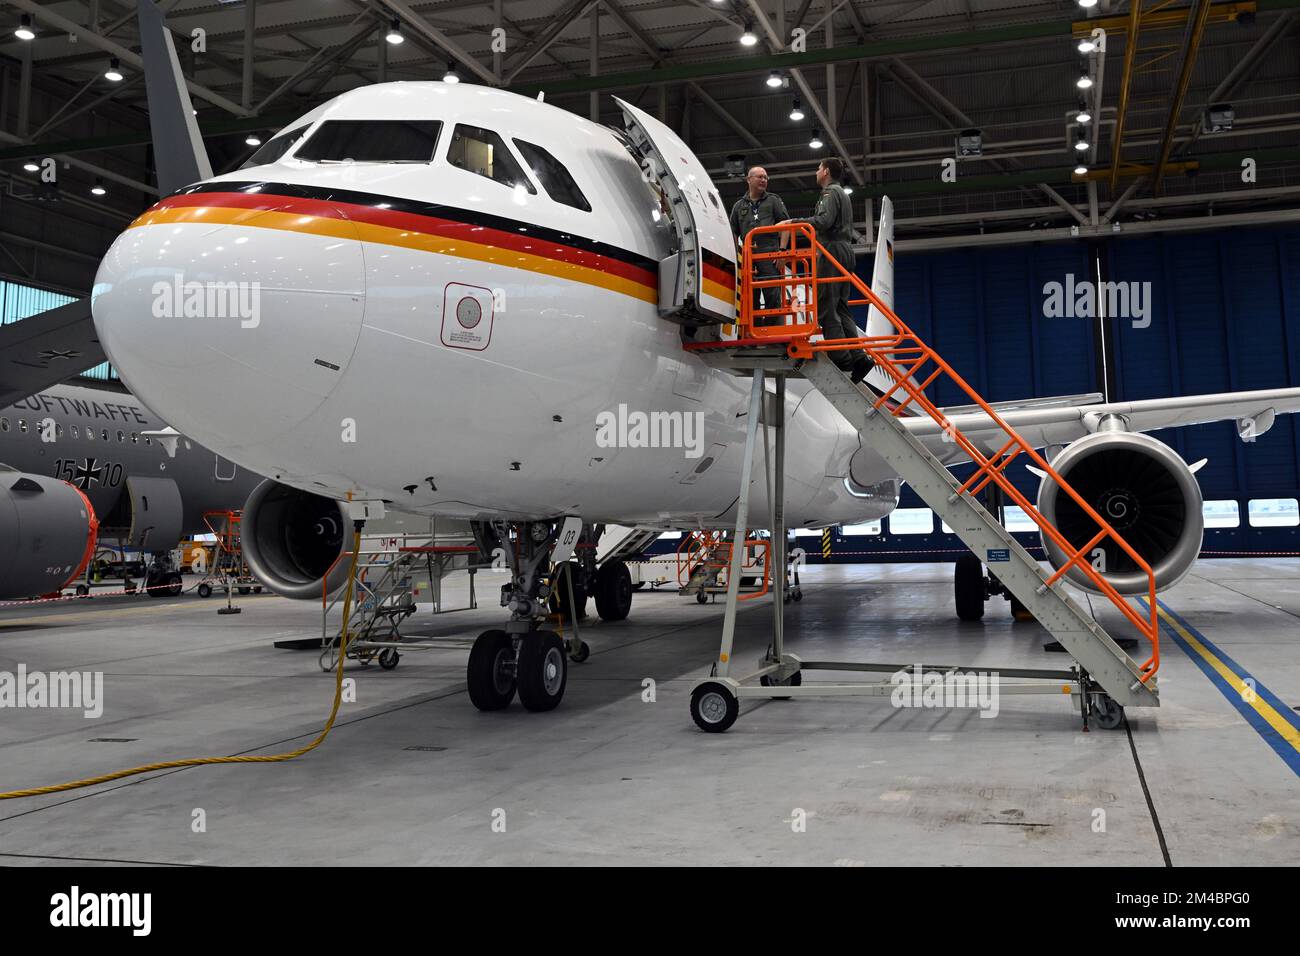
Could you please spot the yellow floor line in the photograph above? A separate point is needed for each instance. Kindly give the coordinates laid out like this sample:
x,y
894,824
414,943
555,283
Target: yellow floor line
x,y
1284,727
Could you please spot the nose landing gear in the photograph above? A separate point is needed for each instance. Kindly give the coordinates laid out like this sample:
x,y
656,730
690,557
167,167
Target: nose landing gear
x,y
523,657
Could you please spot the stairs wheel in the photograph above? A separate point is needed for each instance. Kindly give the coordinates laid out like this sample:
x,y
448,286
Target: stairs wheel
x,y
714,708
1106,713
701,598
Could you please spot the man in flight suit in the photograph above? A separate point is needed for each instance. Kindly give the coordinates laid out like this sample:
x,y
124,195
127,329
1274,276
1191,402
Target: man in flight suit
x,y
758,207
833,222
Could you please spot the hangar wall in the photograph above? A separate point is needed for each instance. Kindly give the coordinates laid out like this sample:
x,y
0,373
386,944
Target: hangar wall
x,y
1225,316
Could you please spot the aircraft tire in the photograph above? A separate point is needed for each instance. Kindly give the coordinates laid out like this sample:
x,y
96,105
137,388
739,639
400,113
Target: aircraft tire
x,y
488,677
613,591
968,587
543,671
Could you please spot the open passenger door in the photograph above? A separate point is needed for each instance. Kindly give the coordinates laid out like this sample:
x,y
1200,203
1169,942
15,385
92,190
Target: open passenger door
x,y
697,283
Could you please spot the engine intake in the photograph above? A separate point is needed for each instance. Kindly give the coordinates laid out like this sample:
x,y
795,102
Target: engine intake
x,y
292,539
1144,490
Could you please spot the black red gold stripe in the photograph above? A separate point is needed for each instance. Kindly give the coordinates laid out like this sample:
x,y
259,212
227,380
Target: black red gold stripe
x,y
432,227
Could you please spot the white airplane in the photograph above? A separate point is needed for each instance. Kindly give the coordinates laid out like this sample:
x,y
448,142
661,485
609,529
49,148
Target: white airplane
x,y
460,286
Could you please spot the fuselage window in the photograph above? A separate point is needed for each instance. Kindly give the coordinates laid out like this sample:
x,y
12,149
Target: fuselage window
x,y
135,439
4,424
555,179
372,141
276,147
121,437
22,425
90,433
76,432
103,434
483,152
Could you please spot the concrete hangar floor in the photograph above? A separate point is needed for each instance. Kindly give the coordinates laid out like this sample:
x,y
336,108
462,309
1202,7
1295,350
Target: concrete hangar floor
x,y
413,774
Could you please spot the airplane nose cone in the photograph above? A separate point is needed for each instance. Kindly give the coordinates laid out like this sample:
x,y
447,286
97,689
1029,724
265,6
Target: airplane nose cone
x,y
232,323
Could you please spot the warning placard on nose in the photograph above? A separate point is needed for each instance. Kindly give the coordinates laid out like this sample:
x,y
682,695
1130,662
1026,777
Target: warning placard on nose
x,y
466,316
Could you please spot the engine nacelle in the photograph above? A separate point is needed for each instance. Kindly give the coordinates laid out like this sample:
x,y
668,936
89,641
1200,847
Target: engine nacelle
x,y
292,539
1146,492
47,534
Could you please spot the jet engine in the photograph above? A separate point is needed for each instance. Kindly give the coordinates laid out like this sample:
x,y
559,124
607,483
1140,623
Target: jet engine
x,y
1144,490
48,529
292,539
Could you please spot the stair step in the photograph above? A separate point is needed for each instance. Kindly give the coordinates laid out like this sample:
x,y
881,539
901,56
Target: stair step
x,y
1084,638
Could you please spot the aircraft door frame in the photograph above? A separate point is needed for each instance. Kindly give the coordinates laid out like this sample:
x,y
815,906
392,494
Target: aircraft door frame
x,y
697,283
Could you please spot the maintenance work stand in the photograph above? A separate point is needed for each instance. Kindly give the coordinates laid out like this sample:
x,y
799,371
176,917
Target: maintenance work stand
x,y
1103,678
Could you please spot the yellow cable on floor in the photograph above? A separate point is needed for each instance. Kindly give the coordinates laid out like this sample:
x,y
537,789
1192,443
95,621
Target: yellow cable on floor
x,y
203,761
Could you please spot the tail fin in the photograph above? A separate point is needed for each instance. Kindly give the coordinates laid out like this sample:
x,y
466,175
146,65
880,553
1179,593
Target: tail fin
x,y
882,273
179,154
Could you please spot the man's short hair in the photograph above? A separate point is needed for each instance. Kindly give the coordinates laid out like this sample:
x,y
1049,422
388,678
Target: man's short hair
x,y
834,167
751,171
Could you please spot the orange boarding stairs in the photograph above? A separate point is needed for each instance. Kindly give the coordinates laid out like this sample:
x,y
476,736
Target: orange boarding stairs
x,y
794,346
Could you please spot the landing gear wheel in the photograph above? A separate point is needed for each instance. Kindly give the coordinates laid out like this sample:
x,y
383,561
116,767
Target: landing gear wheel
x,y
205,590
613,591
155,586
581,654
714,708
389,658
794,680
968,587
543,670
1106,712
173,585
1019,612
490,673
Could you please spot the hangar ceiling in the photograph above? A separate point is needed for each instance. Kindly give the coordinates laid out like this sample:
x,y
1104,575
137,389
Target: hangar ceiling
x,y
889,84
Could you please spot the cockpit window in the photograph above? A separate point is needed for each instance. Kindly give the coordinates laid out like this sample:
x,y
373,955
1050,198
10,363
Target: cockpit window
x,y
372,141
276,147
483,152
555,179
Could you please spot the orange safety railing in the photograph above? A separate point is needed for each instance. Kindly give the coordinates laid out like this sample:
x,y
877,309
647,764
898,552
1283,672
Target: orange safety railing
x,y
906,358
709,549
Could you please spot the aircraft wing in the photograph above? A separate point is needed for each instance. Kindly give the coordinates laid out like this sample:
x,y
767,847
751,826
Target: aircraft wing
x,y
1059,425
46,348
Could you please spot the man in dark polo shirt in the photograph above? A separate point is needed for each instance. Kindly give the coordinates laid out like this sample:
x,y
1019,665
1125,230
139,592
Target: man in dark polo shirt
x,y
758,207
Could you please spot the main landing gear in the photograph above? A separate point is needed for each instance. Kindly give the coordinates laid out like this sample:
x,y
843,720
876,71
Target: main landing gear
x,y
525,658
162,580
972,588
